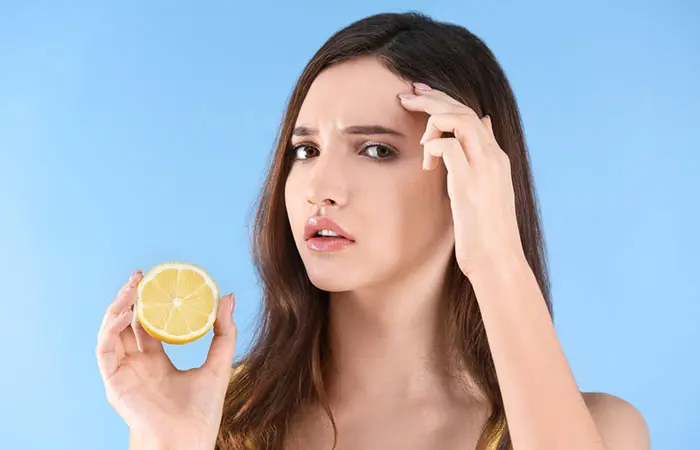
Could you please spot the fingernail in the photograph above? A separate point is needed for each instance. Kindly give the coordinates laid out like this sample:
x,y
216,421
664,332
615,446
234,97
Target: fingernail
x,y
232,300
422,87
405,96
134,276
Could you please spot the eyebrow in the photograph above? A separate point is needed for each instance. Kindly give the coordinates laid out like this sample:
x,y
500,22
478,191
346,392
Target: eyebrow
x,y
354,129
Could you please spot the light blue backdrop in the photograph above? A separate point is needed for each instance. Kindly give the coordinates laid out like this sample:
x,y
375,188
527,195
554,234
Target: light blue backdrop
x,y
107,108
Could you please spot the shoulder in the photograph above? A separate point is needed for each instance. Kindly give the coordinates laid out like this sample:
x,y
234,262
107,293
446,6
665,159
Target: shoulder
x,y
619,423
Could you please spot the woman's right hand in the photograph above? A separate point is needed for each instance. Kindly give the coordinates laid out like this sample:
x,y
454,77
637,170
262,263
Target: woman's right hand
x,y
163,406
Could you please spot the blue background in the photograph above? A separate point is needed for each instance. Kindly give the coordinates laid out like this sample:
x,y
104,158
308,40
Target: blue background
x,y
133,133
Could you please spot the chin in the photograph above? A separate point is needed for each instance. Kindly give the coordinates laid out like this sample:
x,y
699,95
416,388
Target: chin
x,y
334,277
331,281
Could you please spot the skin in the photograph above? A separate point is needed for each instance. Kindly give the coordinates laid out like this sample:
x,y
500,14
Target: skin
x,y
165,408
388,387
387,286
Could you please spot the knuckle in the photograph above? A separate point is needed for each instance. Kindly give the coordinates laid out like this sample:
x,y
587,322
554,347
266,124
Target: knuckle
x,y
468,119
109,326
440,117
112,312
432,120
470,112
433,147
449,114
453,143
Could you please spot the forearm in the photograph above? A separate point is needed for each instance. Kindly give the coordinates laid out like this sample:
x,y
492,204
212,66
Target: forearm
x,y
543,404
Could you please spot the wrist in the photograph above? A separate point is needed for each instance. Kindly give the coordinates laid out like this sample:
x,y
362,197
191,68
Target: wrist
x,y
499,268
145,441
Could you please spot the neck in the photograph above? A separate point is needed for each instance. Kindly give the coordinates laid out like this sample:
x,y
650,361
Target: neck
x,y
387,342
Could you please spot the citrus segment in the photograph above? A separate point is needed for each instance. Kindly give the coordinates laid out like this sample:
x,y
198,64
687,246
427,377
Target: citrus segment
x,y
177,302
188,283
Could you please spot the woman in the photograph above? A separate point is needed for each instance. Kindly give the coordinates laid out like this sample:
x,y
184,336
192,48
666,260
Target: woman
x,y
406,301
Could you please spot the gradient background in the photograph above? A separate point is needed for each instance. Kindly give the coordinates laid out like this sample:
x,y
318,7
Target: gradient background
x,y
133,134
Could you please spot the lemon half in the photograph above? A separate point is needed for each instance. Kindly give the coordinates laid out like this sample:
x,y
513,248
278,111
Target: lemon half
x,y
177,302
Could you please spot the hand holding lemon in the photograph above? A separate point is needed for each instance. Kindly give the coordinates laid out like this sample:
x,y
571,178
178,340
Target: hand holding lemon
x,y
162,405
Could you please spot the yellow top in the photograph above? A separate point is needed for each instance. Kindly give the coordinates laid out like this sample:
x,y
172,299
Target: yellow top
x,y
494,443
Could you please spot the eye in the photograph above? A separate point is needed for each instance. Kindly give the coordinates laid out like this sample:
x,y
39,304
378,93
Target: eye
x,y
373,151
379,151
302,152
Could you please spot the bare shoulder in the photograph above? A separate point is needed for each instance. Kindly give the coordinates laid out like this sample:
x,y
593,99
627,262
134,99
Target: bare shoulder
x,y
620,424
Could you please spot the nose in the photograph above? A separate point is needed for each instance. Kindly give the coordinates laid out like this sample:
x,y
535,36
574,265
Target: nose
x,y
327,184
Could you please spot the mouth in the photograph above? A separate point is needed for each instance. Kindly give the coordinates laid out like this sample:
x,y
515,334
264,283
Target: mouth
x,y
327,234
324,234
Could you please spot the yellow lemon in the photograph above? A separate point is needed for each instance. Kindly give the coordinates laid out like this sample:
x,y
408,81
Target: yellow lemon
x,y
177,302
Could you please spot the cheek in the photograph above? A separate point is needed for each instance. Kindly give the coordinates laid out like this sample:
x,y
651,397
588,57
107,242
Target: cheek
x,y
412,217
293,202
424,205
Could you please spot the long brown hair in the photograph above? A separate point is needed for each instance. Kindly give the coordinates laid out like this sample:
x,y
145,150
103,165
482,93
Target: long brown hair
x,y
285,367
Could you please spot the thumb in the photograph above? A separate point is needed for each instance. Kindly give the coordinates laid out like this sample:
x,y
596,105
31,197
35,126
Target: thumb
x,y
220,357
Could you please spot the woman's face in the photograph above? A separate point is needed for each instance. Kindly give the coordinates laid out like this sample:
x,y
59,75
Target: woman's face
x,y
371,184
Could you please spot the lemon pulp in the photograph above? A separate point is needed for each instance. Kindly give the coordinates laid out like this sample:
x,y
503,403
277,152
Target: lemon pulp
x,y
177,302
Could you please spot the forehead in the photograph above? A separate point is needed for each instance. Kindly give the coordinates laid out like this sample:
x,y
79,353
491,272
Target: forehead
x,y
360,90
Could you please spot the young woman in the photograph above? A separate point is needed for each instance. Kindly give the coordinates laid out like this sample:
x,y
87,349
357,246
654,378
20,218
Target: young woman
x,y
406,301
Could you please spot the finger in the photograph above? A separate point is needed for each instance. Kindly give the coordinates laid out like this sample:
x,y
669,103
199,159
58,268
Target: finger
x,y
145,342
485,128
128,338
109,349
424,89
492,142
432,132
127,334
450,150
220,357
462,127
122,301
429,103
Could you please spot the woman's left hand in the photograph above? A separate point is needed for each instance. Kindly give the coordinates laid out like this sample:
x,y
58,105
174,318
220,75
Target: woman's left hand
x,y
478,179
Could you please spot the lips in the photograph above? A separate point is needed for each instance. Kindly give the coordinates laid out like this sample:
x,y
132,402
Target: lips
x,y
317,223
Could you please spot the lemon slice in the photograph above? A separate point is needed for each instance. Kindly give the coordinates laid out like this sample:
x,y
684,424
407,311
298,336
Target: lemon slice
x,y
177,302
